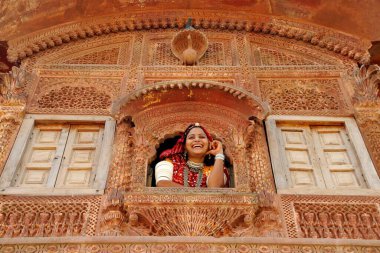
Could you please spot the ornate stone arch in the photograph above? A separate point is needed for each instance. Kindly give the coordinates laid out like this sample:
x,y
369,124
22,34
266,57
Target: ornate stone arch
x,y
166,108
147,118
315,35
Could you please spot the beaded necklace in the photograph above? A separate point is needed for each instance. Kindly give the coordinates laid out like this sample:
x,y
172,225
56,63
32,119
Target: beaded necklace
x,y
194,167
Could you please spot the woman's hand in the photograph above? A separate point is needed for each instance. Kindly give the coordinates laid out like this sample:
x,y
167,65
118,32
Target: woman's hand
x,y
216,147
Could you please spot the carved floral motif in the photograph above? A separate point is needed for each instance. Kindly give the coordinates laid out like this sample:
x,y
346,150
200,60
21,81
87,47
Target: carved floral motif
x,y
82,95
367,85
301,96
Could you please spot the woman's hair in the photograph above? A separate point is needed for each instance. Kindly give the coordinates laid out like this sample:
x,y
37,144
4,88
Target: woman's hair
x,y
179,147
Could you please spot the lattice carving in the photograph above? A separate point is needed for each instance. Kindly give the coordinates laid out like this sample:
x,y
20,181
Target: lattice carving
x,y
68,97
109,56
219,51
213,56
299,96
332,216
111,49
46,217
272,57
82,95
268,52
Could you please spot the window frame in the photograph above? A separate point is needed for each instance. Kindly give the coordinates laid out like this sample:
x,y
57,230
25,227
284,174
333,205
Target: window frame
x,y
279,164
20,147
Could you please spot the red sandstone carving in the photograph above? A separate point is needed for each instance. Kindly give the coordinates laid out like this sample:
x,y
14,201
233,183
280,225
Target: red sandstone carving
x,y
367,85
46,217
189,46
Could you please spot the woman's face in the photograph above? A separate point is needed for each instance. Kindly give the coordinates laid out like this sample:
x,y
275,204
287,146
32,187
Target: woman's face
x,y
197,143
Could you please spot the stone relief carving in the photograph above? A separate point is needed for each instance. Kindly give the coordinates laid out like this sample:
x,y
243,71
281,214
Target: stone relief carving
x,y
338,221
82,95
121,212
368,119
277,27
367,86
10,121
179,245
189,46
12,85
332,216
297,96
47,217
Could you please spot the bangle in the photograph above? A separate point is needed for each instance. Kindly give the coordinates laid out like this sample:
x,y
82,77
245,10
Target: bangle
x,y
219,156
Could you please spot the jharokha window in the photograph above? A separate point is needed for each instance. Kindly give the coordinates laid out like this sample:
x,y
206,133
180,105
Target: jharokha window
x,y
57,157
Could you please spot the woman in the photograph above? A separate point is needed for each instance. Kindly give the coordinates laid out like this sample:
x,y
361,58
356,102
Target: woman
x,y
189,162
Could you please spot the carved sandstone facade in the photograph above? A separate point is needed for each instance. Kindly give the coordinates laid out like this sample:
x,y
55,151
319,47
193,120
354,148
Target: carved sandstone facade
x,y
75,78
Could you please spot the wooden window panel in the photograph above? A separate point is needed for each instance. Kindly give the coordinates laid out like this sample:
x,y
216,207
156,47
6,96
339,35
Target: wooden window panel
x,y
42,157
299,156
337,158
81,156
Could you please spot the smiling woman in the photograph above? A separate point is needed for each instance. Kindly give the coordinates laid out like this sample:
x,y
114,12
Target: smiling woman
x,y
196,160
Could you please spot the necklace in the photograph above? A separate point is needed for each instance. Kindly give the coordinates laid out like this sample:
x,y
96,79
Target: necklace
x,y
194,167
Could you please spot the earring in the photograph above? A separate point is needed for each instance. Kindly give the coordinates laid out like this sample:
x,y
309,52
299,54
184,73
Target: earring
x,y
185,154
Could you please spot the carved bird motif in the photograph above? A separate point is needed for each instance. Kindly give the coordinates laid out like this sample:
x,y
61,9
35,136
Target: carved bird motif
x,y
189,46
189,55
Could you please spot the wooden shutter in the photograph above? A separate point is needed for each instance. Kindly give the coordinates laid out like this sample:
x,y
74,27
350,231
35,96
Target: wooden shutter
x,y
43,156
81,155
299,157
338,160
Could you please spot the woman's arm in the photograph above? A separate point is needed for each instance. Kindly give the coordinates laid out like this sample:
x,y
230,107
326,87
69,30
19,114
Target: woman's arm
x,y
167,183
216,177
164,175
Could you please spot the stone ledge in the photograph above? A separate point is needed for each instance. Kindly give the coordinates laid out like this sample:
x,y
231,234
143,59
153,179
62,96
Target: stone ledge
x,y
184,244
